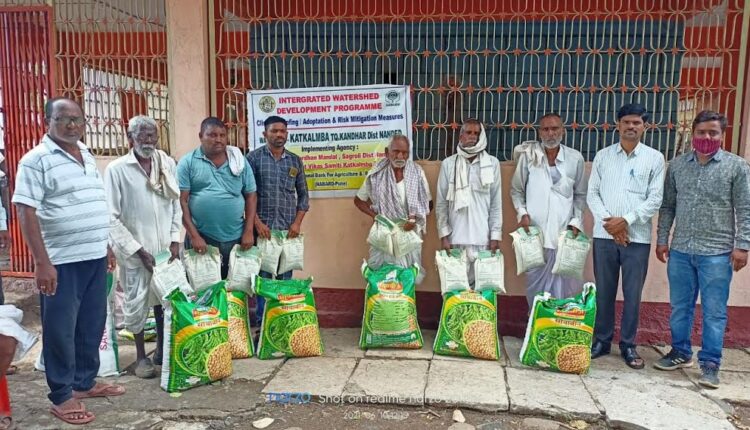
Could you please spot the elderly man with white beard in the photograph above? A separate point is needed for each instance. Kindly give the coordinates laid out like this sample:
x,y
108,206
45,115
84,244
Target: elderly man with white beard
x,y
397,188
146,217
549,191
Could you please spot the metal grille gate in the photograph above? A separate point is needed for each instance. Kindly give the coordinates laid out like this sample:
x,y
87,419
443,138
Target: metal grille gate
x,y
109,55
27,82
505,63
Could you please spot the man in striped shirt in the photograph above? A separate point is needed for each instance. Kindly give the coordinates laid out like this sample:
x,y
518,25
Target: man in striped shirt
x,y
65,222
625,192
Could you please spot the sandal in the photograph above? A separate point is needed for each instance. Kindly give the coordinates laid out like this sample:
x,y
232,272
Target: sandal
x,y
75,414
100,390
6,423
632,359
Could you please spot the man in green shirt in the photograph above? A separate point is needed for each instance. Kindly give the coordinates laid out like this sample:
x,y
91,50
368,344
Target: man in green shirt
x,y
217,194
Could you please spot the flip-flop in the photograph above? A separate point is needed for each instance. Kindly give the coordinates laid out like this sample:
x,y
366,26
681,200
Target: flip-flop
x,y
6,423
68,415
100,390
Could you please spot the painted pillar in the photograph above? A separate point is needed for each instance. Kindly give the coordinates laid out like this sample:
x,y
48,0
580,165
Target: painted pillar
x,y
188,59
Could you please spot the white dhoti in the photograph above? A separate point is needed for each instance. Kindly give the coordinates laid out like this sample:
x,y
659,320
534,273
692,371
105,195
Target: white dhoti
x,y
379,258
135,281
10,325
541,279
472,251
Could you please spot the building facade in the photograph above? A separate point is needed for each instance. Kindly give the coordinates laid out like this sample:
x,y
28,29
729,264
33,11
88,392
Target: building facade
x,y
505,63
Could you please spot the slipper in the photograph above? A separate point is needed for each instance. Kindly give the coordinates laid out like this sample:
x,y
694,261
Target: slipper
x,y
6,423
100,390
69,415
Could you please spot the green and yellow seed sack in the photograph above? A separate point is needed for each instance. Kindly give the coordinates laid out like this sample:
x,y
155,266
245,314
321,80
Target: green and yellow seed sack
x,y
290,319
468,325
240,341
560,331
196,348
390,317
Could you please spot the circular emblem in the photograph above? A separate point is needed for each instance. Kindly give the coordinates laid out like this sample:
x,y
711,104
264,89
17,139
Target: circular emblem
x,y
267,104
392,96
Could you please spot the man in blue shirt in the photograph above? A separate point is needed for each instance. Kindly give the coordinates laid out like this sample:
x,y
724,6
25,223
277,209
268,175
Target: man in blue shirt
x,y
282,189
217,194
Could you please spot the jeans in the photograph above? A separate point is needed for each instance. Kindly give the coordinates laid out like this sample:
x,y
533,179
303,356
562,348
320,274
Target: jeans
x,y
261,301
225,248
709,275
72,326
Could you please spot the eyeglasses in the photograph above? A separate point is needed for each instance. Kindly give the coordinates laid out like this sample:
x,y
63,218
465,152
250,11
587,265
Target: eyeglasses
x,y
67,120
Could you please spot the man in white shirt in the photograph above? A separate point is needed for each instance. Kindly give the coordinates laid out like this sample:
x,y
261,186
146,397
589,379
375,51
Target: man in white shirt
x,y
469,196
145,219
397,188
549,192
625,192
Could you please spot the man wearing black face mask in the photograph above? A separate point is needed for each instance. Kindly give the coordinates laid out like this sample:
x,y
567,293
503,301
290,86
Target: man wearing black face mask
x,y
707,198
396,187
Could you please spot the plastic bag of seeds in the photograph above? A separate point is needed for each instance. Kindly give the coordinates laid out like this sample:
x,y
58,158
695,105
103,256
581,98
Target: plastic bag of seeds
x,y
196,344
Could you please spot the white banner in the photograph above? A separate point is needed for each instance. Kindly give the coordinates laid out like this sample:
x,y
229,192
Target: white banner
x,y
339,132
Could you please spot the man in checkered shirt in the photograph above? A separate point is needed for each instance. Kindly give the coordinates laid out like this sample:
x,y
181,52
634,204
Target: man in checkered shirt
x,y
282,190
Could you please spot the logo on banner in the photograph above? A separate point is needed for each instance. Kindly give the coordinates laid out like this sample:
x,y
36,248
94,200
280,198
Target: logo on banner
x,y
267,104
392,98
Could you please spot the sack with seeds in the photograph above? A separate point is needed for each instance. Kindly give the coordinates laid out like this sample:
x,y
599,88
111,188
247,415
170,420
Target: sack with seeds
x,y
390,317
560,331
169,276
196,344
292,253
489,271
468,325
529,249
270,251
240,341
571,254
203,270
244,266
452,270
290,319
380,236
